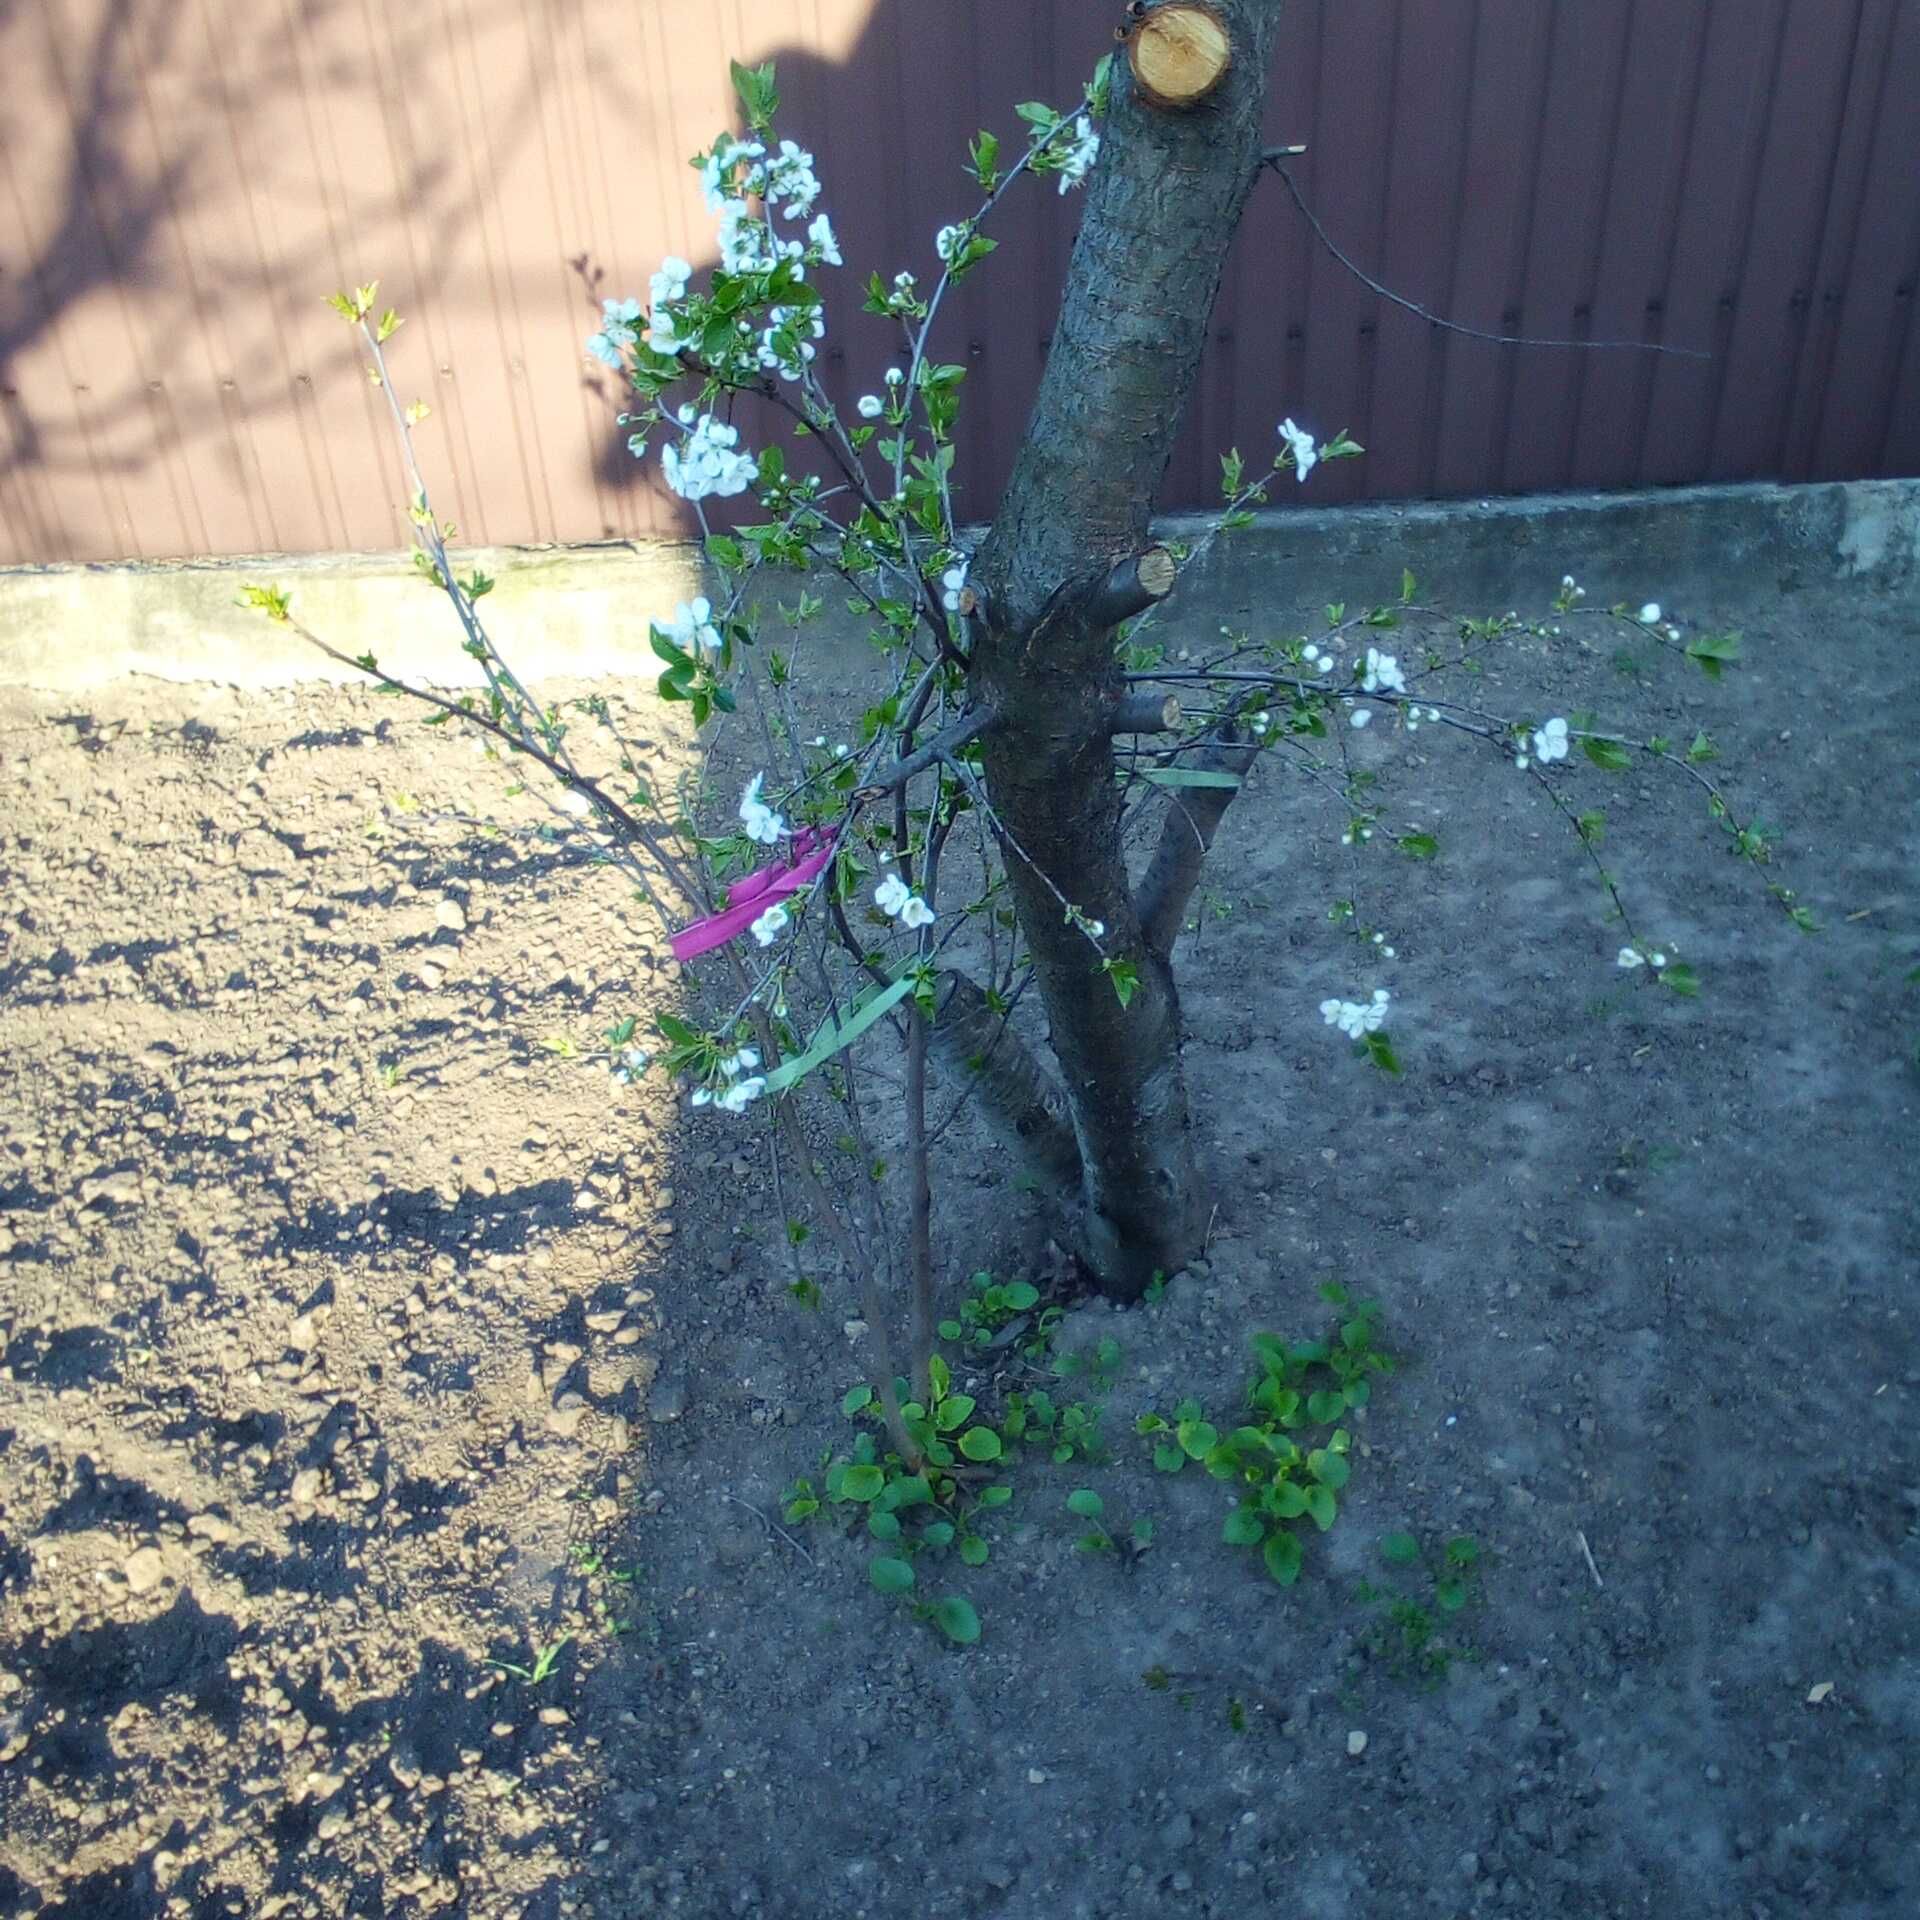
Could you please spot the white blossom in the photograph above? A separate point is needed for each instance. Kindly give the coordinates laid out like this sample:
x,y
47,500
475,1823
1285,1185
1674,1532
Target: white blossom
x,y
767,929
894,376
759,819
575,802
663,332
741,1095
790,177
1315,661
1361,717
618,330
745,244
1650,613
1078,158
1630,957
953,583
871,406
820,234
1550,742
1357,1017
718,169
899,902
707,463
1306,456
670,283
692,625
948,244
637,445
1383,671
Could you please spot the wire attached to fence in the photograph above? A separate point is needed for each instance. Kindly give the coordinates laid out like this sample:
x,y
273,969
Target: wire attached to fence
x,y
1272,159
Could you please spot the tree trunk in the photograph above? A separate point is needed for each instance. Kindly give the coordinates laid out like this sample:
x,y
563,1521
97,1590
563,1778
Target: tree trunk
x,y
1163,204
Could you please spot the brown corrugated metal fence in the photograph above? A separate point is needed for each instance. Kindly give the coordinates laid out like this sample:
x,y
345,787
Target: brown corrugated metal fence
x,y
182,181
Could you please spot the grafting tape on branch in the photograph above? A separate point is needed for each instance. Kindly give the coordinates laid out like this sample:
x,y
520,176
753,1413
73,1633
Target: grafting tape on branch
x,y
1179,54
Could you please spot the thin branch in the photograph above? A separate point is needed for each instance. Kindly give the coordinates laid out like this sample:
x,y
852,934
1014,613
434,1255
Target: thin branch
x,y
1273,157
1185,840
894,778
518,743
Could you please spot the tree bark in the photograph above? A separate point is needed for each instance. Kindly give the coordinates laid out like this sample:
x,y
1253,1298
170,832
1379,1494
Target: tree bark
x,y
1163,205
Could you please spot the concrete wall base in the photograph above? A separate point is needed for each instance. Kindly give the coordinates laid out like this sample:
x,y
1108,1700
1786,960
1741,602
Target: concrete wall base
x,y
1710,553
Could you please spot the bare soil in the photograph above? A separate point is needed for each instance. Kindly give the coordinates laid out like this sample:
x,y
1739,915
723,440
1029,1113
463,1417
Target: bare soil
x,y
358,1334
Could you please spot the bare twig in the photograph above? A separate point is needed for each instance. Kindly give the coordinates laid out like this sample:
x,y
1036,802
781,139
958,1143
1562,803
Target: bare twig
x,y
1587,1552
772,1526
894,778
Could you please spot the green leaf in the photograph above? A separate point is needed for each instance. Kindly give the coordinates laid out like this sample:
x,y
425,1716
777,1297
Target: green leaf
x,y
1711,651
1379,1049
1021,1296
1327,1405
940,1376
1450,1595
857,1398
954,1411
974,1550
1086,1503
984,153
1330,1469
1321,1507
1702,749
1125,976
1409,586
1197,1438
1169,1459
910,1490
1282,1555
1419,846
937,1533
1681,980
1245,1528
955,1617
991,1497
1463,1550
884,1526
889,1575
862,1483
1400,1548
980,1443
1609,755
1286,1501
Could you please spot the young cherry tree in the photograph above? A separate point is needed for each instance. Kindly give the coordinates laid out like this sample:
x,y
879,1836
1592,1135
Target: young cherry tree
x,y
964,843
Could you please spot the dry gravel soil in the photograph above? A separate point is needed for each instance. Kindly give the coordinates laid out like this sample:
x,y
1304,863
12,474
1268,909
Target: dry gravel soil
x,y
357,1334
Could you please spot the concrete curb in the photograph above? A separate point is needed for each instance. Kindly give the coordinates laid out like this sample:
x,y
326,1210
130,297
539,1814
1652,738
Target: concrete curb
x,y
582,612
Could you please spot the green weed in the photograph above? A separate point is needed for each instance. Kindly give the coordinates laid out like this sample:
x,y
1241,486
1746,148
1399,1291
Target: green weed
x,y
1303,1390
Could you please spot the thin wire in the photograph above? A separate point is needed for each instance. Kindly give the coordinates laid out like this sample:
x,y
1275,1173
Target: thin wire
x,y
1454,326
